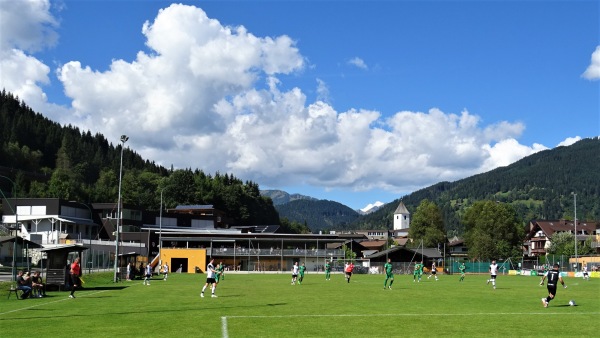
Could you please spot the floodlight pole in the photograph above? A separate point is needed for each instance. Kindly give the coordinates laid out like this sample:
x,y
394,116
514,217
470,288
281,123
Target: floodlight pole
x,y
14,210
160,229
124,139
575,222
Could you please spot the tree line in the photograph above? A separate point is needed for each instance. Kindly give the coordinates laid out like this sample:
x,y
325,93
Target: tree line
x,y
47,160
539,186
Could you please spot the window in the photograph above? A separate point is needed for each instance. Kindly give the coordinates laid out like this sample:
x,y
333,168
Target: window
x,y
167,221
23,210
202,223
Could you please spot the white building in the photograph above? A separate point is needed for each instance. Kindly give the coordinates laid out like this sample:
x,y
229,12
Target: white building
x,y
401,217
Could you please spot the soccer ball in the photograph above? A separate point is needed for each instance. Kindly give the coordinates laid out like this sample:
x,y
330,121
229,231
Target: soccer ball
x,y
572,303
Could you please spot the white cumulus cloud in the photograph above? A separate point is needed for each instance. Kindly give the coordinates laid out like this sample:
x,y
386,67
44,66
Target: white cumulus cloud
x,y
25,27
593,70
208,96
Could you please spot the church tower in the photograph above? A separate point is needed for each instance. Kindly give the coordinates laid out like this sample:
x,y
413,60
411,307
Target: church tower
x,y
401,217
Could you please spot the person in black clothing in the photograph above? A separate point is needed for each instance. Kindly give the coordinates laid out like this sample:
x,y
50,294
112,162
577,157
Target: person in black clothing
x,y
38,284
554,278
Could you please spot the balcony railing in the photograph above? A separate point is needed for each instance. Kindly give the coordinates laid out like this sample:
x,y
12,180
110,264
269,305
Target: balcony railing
x,y
275,252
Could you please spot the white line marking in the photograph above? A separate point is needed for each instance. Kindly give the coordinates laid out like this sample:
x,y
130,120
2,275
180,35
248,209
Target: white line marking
x,y
224,327
421,314
52,302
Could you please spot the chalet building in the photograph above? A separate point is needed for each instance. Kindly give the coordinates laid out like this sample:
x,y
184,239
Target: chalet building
x,y
376,245
456,248
540,232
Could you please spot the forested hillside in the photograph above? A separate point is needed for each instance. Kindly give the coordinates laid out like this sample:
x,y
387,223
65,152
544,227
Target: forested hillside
x,y
539,186
45,159
281,197
318,214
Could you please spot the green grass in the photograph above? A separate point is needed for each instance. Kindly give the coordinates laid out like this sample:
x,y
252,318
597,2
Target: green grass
x,y
257,305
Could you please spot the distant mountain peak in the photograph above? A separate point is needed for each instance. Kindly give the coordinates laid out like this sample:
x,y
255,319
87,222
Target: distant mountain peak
x,y
371,207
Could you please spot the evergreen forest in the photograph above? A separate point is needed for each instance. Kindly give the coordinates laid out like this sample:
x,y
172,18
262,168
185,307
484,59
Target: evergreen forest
x,y
540,186
46,160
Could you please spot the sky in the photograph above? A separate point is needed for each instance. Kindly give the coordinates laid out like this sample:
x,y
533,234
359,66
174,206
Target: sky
x,y
349,101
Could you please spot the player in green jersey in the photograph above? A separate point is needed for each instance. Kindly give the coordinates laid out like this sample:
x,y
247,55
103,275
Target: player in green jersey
x,y
220,275
302,270
462,269
388,273
418,272
327,271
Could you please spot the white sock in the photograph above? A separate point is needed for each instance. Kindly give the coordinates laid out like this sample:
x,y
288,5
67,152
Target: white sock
x,y
213,290
203,288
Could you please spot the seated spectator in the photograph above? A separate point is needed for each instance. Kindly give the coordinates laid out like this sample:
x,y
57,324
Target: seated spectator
x,y
22,284
38,285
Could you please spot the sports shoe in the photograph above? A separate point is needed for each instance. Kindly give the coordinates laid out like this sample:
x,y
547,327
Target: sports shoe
x,y
71,296
202,295
544,302
487,282
390,287
213,296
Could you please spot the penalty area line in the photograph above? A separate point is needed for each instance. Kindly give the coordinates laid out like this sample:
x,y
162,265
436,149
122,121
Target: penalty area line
x,y
224,319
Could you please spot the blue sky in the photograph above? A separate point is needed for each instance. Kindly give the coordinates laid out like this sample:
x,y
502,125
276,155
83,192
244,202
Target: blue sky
x,y
352,101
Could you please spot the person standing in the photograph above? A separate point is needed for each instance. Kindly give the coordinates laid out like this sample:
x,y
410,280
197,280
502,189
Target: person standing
x,y
302,269
128,277
165,271
586,275
22,285
327,271
388,268
553,278
210,279
348,270
295,269
220,272
493,273
74,275
141,270
148,274
462,269
544,272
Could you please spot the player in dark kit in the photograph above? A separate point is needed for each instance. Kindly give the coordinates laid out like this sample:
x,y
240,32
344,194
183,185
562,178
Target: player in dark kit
x,y
553,278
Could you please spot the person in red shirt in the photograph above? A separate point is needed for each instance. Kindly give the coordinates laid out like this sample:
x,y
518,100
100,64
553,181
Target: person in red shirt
x,y
348,270
74,275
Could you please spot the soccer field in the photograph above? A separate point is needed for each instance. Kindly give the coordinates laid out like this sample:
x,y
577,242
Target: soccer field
x,y
264,305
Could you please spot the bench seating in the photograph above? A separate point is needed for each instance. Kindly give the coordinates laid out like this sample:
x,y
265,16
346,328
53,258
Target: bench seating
x,y
15,291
